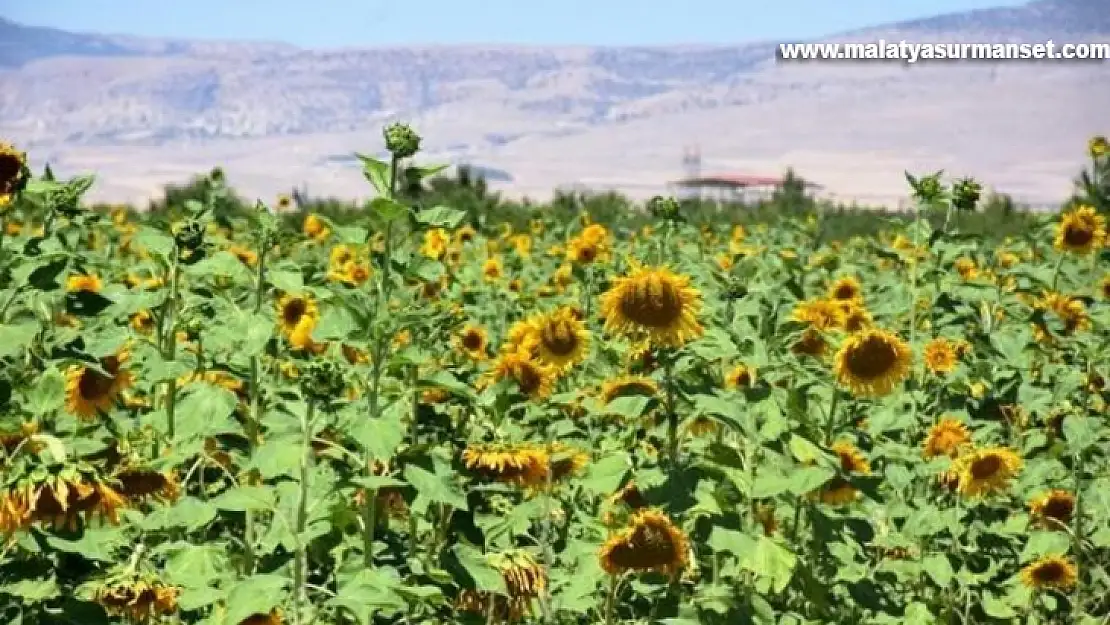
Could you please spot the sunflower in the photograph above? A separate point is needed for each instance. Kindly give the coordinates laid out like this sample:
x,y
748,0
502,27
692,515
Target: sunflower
x,y
297,317
465,234
819,314
138,600
84,283
492,269
583,251
523,465
1053,509
1054,571
524,579
946,438
650,542
967,268
566,461
245,255
561,338
435,243
533,378
838,491
140,484
473,341
810,343
13,172
1098,147
522,245
143,322
1070,310
90,391
846,288
872,362
628,386
352,273
273,617
702,425
941,355
740,376
656,303
1104,287
1080,231
315,228
854,316
985,471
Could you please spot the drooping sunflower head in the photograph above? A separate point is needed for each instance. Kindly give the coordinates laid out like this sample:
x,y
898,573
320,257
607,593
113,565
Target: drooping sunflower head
x,y
13,171
628,386
1053,509
523,465
819,314
740,376
524,577
465,234
986,471
941,356
1050,572
650,542
855,316
966,267
946,438
1070,310
143,321
140,600
851,458
84,283
273,617
562,339
810,343
141,484
532,378
1080,231
846,288
702,425
566,461
656,303
473,341
1104,287
872,362
90,390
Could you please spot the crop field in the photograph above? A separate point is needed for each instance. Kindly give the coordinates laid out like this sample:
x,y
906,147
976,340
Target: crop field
x,y
412,413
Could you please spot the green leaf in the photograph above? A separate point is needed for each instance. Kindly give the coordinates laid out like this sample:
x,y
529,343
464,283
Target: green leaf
x,y
377,172
376,482
448,382
154,241
381,437
805,451
336,324
188,513
15,337
205,410
1045,543
995,607
606,475
435,488
243,498
277,457
223,264
483,576
938,568
918,613
31,591
48,393
1081,432
286,281
255,595
441,217
631,406
771,561
804,480
195,566
730,541
386,210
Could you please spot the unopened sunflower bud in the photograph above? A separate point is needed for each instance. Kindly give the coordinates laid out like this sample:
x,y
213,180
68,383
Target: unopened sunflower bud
x,y
401,140
322,380
927,189
965,194
188,235
216,176
664,208
1098,147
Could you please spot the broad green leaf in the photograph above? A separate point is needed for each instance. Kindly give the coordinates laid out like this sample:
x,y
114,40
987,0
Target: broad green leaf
x,y
938,568
205,410
290,282
277,457
606,475
441,217
154,241
435,488
386,210
243,498
631,406
255,595
14,337
772,561
48,393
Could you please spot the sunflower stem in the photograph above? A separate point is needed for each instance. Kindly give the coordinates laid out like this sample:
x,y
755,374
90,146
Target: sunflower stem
x,y
254,420
611,600
672,413
300,565
370,521
1056,271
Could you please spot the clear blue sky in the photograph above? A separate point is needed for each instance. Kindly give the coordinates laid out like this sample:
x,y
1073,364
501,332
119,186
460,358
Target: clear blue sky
x,y
329,23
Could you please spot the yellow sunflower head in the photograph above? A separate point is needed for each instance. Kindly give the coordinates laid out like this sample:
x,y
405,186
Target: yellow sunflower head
x,y
740,376
296,311
854,316
946,438
872,362
846,288
1070,310
435,244
523,465
492,269
90,391
966,267
1098,147
273,617
1080,231
628,386
473,341
650,542
653,303
941,356
532,378
1053,509
561,338
986,471
1050,572
86,283
315,228
819,314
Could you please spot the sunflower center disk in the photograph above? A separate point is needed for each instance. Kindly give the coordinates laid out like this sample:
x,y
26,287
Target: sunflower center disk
x,y
654,305
872,359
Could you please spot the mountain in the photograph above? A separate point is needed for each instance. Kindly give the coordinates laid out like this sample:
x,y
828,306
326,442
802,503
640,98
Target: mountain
x,y
143,112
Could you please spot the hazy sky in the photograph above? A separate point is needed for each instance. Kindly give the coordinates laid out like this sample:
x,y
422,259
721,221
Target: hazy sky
x,y
376,22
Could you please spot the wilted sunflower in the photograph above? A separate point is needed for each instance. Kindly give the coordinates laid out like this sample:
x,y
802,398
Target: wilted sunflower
x,y
838,491
13,172
1080,231
1053,509
650,542
1070,310
524,579
523,465
140,484
1050,572
986,471
562,339
846,288
941,355
627,386
89,391
653,302
872,362
297,317
84,283
473,341
138,600
533,378
566,461
740,376
946,438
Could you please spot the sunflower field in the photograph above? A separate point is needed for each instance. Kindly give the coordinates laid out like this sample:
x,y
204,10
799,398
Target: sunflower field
x,y
410,416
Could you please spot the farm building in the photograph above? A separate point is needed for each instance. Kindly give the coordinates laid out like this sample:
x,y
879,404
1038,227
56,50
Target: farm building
x,y
731,187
